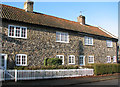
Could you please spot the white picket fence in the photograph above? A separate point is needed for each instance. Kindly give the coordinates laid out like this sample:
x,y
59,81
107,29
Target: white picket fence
x,y
45,74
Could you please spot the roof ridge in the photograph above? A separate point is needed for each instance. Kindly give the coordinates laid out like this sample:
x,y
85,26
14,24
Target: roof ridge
x,y
107,32
48,15
12,7
41,14
56,17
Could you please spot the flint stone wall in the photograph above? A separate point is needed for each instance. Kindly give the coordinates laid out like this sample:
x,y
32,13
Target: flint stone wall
x,y
41,43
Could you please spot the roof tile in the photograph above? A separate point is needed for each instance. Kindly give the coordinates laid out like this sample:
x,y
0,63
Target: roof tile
x,y
13,13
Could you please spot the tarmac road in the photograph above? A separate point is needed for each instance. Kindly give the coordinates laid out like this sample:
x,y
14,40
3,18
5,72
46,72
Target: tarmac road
x,y
100,81
107,82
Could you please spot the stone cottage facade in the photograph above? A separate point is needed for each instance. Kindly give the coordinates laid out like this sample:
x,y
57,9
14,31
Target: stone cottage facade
x,y
27,37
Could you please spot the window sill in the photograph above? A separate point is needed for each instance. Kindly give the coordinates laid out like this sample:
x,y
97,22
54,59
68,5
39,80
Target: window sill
x,y
109,47
82,64
108,62
20,65
18,37
61,42
88,44
71,63
90,62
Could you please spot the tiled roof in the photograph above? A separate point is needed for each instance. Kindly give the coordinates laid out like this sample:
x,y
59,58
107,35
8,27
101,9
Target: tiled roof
x,y
16,14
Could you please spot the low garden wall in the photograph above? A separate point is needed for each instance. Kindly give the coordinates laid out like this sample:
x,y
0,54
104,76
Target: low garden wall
x,y
45,74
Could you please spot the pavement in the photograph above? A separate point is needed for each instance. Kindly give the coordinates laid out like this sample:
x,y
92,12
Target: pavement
x,y
60,82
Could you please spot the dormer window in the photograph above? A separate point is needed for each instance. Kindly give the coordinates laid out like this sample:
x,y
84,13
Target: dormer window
x,y
17,31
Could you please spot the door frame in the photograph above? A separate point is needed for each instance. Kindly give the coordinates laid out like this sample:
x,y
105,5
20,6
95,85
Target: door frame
x,y
5,60
83,59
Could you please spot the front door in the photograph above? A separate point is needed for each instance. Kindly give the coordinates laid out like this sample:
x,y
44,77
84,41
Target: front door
x,y
82,60
3,61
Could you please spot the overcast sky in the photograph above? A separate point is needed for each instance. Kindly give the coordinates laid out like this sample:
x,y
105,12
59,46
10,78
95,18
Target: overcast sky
x,y
103,14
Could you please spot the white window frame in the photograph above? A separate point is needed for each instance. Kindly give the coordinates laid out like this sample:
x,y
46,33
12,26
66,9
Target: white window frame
x,y
71,59
88,40
83,59
21,60
108,60
65,33
109,43
15,31
58,56
114,59
89,57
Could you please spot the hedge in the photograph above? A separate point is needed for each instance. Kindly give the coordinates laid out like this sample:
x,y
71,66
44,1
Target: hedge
x,y
52,61
100,69
41,67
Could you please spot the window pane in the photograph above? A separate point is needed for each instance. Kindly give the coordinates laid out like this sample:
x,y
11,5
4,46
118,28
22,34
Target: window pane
x,y
23,60
108,59
23,32
66,37
109,43
57,56
114,58
18,59
62,37
72,59
69,59
60,57
18,31
88,40
91,59
81,60
57,36
11,31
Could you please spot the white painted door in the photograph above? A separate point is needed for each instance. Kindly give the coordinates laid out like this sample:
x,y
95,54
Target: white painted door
x,y
82,60
3,61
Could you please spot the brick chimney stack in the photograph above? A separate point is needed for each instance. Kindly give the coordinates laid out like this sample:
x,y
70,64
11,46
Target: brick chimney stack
x,y
28,6
81,19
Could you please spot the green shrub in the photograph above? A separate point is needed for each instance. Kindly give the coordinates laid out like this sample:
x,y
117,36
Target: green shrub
x,y
88,66
20,67
54,61
106,68
41,67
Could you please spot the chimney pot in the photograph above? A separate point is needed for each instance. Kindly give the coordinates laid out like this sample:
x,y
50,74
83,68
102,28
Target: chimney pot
x,y
81,19
28,6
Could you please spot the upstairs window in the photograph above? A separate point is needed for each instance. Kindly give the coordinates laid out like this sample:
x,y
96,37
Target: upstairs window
x,y
108,59
21,60
62,37
109,43
17,31
88,40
